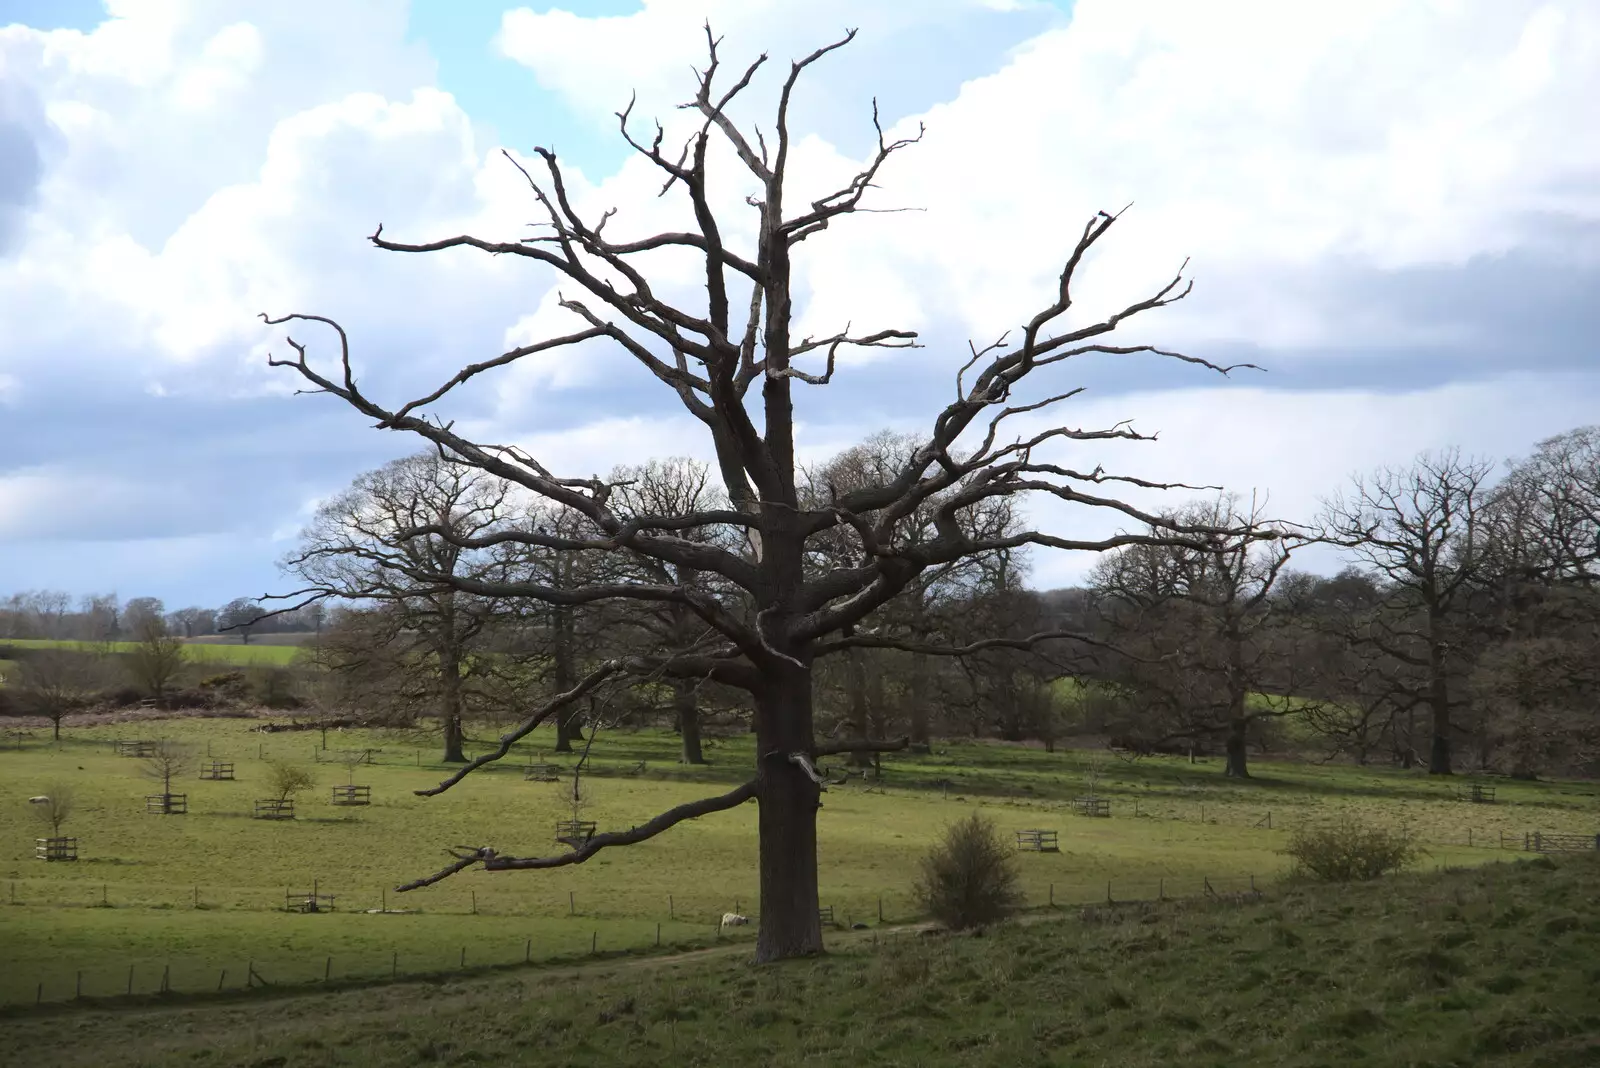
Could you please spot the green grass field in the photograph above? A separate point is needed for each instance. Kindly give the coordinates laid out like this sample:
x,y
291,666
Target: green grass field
x,y
203,892
236,654
1493,967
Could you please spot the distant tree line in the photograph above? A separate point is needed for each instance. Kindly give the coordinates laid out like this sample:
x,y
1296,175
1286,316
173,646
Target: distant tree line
x,y
56,615
1462,634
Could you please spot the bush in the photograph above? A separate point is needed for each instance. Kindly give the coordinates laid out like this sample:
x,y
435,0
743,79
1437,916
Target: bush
x,y
229,685
284,780
1349,851
970,878
274,688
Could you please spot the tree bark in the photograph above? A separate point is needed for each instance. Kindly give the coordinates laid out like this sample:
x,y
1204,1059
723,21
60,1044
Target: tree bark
x,y
856,684
1439,699
688,713
789,799
918,699
450,706
567,730
1237,766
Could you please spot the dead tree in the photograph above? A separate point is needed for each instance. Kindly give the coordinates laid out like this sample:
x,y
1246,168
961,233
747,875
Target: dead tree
x,y
736,366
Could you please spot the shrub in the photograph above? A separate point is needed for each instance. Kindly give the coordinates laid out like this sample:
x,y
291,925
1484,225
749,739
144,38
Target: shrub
x,y
284,780
970,878
229,685
274,688
1348,851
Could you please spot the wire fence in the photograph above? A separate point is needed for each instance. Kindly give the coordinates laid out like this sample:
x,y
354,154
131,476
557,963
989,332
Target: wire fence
x,y
262,969
600,928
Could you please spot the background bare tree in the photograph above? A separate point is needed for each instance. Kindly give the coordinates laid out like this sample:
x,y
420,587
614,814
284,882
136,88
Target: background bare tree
x,y
357,548
1415,527
914,614
192,621
241,616
54,683
140,611
1204,626
156,657
1535,683
556,635
737,370
675,486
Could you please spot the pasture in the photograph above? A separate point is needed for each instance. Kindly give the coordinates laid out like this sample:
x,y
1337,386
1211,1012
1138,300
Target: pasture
x,y
1491,966
195,894
233,654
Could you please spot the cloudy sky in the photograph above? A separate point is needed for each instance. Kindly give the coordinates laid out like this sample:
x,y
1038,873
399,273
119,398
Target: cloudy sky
x,y
1394,207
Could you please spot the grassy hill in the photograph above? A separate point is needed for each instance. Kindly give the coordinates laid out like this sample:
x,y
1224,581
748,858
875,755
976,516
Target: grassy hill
x,y
1494,966
205,891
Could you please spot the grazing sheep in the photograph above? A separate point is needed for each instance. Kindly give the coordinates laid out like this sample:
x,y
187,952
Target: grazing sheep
x,y
41,800
733,919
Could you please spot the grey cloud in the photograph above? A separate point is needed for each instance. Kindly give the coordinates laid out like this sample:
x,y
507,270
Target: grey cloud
x,y
23,130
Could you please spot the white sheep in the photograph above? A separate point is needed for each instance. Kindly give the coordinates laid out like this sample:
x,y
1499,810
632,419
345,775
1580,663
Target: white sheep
x,y
40,800
733,919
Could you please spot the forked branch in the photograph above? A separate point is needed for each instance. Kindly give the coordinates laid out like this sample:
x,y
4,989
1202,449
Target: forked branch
x,y
493,861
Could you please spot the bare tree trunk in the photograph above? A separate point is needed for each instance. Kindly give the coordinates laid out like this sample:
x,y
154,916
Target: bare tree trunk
x,y
1237,766
688,712
567,728
918,699
450,706
856,684
1439,698
789,799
